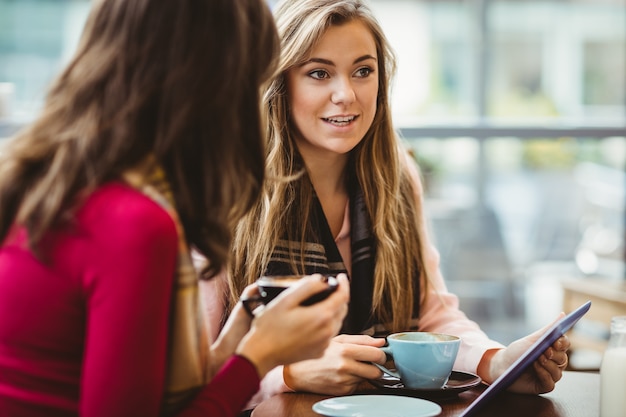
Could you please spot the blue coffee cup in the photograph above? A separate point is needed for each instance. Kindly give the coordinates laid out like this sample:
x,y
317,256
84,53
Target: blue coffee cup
x,y
423,360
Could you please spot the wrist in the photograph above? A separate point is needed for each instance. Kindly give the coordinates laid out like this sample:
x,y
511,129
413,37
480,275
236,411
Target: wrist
x,y
487,367
218,358
288,378
255,354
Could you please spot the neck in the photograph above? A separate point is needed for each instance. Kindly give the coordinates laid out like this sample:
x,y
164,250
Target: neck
x,y
326,169
327,174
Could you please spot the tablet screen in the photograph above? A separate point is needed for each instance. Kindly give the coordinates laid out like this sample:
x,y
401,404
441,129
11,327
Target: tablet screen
x,y
532,354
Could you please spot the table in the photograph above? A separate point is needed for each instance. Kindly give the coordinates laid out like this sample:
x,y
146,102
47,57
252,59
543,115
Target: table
x,y
577,394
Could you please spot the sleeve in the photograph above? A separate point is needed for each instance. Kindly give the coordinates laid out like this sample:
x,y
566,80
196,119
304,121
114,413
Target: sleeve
x,y
440,313
272,384
228,391
128,290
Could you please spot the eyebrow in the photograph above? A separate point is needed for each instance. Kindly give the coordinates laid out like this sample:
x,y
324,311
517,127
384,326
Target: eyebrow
x,y
328,62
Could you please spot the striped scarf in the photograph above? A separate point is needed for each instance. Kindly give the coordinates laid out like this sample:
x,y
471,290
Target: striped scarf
x,y
321,255
188,361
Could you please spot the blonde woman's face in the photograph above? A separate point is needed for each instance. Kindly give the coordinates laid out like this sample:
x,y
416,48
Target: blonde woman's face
x,y
332,97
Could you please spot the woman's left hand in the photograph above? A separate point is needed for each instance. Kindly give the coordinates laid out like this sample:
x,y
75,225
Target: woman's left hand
x,y
234,330
544,373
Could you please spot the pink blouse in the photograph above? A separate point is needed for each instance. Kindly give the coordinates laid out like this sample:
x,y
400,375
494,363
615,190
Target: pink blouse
x,y
439,314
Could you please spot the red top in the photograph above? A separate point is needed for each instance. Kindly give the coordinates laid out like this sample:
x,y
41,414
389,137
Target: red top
x,y
85,332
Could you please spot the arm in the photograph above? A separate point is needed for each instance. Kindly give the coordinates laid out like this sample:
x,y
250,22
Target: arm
x,y
213,294
441,313
265,335
224,340
538,379
479,354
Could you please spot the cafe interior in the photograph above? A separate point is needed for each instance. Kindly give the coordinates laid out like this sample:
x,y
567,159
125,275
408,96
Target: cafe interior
x,y
515,112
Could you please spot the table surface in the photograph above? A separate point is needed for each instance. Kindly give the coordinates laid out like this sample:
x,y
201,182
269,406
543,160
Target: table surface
x,y
576,395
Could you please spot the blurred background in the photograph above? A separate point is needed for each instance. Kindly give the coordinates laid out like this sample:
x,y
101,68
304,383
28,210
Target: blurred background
x,y
515,111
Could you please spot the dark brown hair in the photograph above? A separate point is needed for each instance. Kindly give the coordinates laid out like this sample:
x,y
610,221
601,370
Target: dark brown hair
x,y
175,79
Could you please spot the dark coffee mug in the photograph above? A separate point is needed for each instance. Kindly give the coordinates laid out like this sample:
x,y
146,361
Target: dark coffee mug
x,y
271,286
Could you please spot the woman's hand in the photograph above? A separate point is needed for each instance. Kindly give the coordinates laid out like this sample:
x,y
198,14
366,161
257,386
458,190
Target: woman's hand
x,y
284,332
544,373
343,367
236,327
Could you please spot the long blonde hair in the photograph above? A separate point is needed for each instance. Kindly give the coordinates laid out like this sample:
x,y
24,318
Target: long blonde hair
x,y
378,162
172,79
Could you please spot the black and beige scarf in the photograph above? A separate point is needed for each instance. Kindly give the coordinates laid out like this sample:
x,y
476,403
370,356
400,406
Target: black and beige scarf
x,y
188,359
321,255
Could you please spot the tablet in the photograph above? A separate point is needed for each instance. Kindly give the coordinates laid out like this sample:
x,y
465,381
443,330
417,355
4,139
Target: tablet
x,y
531,355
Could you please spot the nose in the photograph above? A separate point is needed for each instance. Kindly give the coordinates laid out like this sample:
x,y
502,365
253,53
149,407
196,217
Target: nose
x,y
342,93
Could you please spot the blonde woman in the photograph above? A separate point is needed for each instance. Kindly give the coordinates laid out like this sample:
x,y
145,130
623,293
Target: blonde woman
x,y
342,196
135,159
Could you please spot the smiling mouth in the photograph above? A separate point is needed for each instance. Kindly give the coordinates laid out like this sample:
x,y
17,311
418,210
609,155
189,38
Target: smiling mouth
x,y
340,121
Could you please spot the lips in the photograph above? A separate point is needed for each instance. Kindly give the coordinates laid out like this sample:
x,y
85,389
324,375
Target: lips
x,y
339,120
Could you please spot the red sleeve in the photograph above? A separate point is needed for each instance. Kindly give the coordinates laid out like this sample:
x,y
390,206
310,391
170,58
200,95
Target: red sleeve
x,y
128,285
128,296
228,392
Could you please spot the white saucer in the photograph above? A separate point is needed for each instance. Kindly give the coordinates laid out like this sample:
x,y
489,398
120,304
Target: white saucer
x,y
376,406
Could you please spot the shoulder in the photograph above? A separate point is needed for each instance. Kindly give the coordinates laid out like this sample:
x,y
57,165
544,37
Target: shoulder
x,y
124,214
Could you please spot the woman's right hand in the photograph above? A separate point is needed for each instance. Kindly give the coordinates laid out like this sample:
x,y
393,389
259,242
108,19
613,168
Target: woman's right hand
x,y
285,332
344,366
